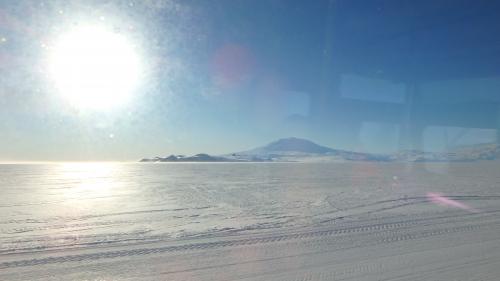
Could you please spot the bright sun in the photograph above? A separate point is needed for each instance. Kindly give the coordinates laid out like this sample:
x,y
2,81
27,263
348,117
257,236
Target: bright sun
x,y
94,68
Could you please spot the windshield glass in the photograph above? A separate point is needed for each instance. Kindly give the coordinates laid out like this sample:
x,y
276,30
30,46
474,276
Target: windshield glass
x,y
256,140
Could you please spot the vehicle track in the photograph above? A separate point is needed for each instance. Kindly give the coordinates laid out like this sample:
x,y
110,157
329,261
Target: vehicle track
x,y
363,267
372,229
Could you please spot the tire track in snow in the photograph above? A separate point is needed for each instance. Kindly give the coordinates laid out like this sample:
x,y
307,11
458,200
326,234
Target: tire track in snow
x,y
251,241
375,240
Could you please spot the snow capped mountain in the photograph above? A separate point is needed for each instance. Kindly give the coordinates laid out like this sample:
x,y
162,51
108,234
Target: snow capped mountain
x,y
201,157
465,153
292,145
301,150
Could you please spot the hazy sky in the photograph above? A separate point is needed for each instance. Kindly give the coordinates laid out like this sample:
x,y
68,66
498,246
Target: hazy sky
x,y
225,76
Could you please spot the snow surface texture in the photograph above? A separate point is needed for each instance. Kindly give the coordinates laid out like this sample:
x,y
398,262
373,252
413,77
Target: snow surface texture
x,y
250,221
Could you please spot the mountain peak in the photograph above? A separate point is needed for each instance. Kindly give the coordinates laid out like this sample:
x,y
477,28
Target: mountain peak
x,y
297,145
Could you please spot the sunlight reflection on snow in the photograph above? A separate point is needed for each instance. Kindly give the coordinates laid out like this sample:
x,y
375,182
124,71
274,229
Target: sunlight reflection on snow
x,y
88,179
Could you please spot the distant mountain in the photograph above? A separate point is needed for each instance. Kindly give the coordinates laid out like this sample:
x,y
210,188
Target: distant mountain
x,y
302,150
283,150
292,145
202,157
464,153
484,151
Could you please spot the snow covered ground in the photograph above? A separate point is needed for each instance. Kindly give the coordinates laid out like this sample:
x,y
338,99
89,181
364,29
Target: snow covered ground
x,y
250,221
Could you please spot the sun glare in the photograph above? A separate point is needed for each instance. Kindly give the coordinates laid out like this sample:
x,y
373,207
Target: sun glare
x,y
94,68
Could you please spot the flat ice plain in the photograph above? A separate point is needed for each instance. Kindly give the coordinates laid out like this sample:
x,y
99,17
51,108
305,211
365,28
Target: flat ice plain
x,y
244,221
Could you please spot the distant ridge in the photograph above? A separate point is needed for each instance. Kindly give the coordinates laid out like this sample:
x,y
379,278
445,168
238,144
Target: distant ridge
x,y
295,149
463,153
201,157
290,149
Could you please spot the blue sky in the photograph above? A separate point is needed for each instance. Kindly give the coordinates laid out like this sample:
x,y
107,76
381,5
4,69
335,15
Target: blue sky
x,y
225,76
